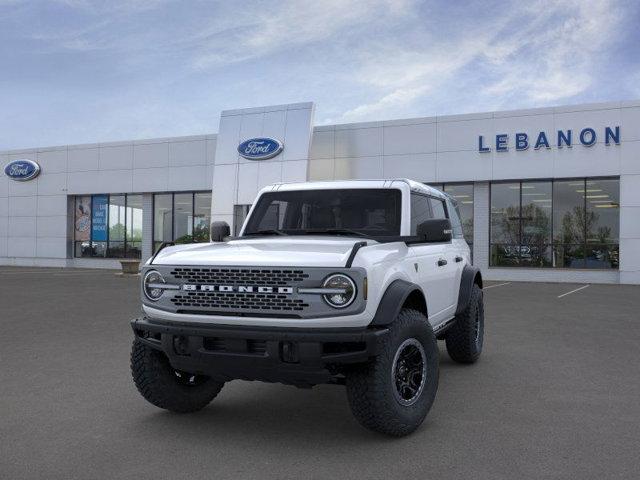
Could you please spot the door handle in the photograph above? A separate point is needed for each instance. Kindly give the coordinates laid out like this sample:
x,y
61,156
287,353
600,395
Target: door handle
x,y
442,262
458,258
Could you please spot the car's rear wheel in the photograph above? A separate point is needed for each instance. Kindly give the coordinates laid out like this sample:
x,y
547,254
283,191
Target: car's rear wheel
x,y
465,338
165,387
394,392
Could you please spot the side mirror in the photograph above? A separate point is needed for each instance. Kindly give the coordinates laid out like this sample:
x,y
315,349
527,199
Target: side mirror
x,y
435,230
219,230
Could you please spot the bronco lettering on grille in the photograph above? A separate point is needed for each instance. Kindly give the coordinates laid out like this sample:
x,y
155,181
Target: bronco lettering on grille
x,y
237,289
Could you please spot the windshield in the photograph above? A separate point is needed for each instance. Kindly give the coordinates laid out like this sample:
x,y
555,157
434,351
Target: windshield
x,y
360,212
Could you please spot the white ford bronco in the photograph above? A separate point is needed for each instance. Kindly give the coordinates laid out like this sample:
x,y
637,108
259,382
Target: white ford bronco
x,y
349,283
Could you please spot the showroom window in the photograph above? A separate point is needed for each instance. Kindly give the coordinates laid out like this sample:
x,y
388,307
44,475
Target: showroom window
x,y
463,195
562,224
181,217
108,226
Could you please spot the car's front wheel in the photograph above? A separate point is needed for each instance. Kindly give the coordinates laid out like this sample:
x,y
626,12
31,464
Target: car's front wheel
x,y
164,386
394,392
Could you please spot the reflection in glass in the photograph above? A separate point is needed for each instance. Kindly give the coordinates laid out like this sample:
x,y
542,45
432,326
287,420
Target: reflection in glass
x,y
535,214
162,219
183,217
117,219
201,217
134,226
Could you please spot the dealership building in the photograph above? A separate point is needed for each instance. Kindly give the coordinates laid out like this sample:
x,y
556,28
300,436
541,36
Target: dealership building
x,y
547,194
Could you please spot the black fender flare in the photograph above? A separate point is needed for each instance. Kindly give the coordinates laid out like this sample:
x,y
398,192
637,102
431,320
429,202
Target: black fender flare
x,y
392,301
469,275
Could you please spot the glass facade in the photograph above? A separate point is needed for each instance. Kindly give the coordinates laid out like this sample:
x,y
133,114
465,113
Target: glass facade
x,y
108,226
561,224
181,217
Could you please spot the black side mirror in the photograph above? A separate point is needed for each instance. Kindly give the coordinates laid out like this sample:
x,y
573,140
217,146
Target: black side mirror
x,y
219,230
435,230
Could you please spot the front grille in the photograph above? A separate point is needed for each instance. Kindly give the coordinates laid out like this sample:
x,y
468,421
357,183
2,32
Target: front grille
x,y
239,276
238,301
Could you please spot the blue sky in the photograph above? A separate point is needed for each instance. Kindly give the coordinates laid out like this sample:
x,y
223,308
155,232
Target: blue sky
x,y
76,71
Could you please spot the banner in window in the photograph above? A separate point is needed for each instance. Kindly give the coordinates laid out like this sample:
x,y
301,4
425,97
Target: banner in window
x,y
83,219
99,218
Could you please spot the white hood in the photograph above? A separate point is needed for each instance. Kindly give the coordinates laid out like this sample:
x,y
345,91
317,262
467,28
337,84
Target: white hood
x,y
285,251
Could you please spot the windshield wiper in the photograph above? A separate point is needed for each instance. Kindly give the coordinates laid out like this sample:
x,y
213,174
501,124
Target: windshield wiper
x,y
338,231
265,232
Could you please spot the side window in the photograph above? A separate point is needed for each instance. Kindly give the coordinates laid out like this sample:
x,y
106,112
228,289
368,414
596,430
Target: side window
x,y
437,206
420,211
454,215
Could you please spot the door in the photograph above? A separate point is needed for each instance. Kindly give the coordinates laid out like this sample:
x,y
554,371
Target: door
x,y
449,266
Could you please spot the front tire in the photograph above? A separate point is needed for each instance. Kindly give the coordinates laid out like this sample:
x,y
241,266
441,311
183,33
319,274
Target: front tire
x,y
394,392
165,387
465,338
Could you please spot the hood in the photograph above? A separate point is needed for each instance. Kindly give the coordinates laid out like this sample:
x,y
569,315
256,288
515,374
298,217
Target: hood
x,y
286,251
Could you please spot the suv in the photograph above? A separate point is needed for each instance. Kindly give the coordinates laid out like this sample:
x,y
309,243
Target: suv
x,y
348,283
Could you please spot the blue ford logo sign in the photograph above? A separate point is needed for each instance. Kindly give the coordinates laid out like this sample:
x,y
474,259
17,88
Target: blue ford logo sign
x,y
22,170
260,148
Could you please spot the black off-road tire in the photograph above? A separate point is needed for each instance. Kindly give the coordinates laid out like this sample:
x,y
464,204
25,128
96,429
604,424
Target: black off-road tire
x,y
371,388
161,385
465,338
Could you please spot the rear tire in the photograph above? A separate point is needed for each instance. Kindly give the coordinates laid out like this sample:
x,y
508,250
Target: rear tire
x,y
465,338
394,392
165,387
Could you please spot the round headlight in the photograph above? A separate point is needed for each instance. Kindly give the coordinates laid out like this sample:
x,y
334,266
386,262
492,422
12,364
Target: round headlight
x,y
152,285
344,290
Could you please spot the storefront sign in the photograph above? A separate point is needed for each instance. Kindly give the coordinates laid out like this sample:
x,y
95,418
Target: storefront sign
x,y
22,170
99,207
260,148
564,138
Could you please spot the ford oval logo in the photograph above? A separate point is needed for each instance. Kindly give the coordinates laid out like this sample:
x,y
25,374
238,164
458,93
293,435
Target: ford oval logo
x,y
22,170
260,148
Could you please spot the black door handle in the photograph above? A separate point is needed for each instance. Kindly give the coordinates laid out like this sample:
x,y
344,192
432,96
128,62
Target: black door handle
x,y
458,258
442,262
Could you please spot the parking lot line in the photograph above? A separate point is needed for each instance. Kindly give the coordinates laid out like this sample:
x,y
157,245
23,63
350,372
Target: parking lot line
x,y
496,285
573,291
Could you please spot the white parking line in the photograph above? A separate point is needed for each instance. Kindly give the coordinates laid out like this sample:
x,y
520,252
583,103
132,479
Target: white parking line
x,y
496,285
573,291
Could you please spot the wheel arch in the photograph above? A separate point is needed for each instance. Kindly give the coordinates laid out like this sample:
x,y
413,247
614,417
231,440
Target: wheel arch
x,y
398,295
470,276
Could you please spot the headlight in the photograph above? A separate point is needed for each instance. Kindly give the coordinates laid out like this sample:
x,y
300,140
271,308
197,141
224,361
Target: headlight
x,y
153,285
344,290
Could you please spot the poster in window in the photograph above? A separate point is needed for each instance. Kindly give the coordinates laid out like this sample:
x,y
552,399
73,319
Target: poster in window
x,y
99,218
83,219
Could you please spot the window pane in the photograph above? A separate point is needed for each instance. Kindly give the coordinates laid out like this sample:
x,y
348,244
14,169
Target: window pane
x,y
162,219
603,211
117,216
504,255
463,194
568,212
202,217
568,256
420,211
369,211
505,213
602,256
183,218
134,226
82,227
535,246
437,208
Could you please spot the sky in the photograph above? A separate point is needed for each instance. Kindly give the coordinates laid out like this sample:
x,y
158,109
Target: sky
x,y
80,71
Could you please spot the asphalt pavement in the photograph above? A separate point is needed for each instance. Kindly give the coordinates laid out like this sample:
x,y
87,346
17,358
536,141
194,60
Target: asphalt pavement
x,y
554,396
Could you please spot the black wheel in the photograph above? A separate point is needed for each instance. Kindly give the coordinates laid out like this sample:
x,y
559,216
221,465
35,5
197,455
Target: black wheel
x,y
465,338
168,388
394,392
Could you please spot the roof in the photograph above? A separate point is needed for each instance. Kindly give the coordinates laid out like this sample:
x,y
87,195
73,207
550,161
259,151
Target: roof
x,y
343,184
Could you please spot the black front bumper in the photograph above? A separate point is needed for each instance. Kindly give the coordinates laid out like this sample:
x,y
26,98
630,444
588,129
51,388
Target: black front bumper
x,y
300,357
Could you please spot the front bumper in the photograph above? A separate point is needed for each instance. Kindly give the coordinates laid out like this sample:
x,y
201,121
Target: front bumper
x,y
301,357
